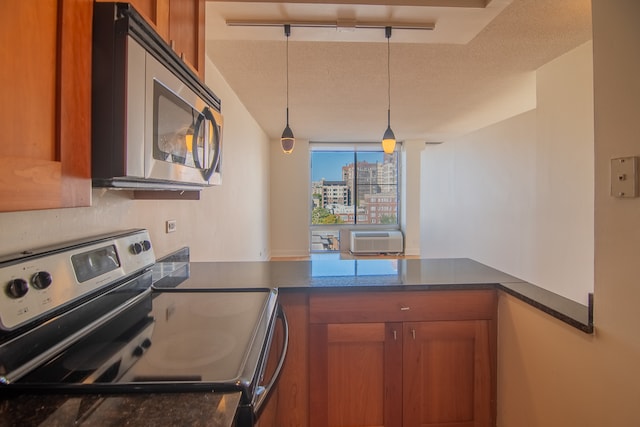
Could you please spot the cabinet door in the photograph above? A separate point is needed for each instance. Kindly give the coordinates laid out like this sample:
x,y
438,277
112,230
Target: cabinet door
x,y
447,374
45,107
355,374
186,32
181,25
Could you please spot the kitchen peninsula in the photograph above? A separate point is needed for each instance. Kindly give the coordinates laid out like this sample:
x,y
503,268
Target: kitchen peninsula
x,y
362,321
357,324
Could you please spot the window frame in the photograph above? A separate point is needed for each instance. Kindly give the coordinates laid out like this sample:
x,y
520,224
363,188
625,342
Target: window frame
x,y
344,229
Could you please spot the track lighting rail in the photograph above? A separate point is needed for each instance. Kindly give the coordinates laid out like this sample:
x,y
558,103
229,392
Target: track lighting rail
x,y
341,24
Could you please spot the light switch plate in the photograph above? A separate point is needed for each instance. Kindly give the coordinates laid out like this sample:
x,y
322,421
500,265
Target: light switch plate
x,y
624,177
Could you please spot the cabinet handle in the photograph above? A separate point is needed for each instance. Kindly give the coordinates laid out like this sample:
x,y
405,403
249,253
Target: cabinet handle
x,y
413,333
405,308
395,335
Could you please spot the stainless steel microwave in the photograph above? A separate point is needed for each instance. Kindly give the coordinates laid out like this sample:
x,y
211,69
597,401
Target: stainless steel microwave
x,y
155,125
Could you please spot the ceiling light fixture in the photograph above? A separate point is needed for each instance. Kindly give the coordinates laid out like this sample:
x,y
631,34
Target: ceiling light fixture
x,y
389,139
288,140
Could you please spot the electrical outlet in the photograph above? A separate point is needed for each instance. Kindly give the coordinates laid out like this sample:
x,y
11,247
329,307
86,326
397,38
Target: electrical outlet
x,y
171,225
624,177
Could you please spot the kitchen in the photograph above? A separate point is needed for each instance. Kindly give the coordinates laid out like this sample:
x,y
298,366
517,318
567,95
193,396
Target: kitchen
x,y
549,374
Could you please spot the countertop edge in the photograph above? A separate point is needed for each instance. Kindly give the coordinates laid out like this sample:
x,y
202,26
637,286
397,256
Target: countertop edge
x,y
568,311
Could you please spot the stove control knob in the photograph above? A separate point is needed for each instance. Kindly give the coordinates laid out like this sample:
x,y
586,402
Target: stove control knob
x,y
146,343
17,288
138,351
42,280
146,245
136,248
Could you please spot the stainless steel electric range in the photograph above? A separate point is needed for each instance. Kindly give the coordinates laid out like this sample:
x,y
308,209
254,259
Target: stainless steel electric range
x,y
83,317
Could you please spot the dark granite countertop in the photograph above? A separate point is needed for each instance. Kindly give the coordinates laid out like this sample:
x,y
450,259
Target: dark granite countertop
x,y
336,273
159,409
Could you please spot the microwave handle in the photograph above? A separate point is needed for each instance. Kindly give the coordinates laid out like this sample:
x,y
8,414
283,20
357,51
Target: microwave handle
x,y
194,147
204,117
266,390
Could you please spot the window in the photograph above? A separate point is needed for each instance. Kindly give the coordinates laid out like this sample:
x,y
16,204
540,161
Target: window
x,y
351,187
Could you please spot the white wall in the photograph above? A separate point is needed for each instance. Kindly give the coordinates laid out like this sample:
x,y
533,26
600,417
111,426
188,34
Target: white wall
x,y
410,191
230,222
564,243
518,195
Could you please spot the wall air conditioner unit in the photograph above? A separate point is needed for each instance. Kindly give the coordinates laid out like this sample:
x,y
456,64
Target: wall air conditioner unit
x,y
376,242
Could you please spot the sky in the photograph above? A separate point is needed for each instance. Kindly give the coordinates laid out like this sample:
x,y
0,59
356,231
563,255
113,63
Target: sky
x,y
328,164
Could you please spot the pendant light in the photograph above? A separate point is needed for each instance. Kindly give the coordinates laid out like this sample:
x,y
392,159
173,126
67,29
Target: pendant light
x,y
389,139
288,140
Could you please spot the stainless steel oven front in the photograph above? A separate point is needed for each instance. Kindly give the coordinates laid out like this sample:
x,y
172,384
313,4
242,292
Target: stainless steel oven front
x,y
84,318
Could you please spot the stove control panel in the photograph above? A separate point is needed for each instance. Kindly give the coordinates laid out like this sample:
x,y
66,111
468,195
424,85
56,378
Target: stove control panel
x,y
34,283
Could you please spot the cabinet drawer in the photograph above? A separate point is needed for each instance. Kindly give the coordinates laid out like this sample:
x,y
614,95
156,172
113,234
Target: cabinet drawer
x,y
401,306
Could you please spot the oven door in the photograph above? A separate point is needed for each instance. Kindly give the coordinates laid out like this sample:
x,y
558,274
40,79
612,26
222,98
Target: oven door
x,y
262,407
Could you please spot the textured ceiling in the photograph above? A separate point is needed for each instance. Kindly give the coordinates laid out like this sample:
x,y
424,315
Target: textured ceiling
x,y
474,69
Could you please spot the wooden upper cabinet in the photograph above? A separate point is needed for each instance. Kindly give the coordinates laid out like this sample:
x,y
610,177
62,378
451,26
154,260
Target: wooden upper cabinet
x,y
156,12
186,31
181,24
45,107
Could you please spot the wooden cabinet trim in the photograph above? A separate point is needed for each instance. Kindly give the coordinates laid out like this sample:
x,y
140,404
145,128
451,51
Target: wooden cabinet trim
x,y
74,107
350,332
393,372
30,184
318,373
293,385
402,306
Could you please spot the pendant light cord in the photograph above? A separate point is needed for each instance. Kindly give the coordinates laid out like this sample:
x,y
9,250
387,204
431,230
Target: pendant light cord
x,y
387,31
287,32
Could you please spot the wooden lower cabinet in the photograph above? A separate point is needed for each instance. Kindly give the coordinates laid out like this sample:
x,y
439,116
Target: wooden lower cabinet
x,y
354,376
436,372
446,374
289,406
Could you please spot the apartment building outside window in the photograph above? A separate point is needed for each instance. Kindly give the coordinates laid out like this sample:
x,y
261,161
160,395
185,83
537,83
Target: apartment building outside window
x,y
352,186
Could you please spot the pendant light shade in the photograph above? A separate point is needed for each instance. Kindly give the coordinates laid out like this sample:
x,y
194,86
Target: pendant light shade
x,y
287,141
389,139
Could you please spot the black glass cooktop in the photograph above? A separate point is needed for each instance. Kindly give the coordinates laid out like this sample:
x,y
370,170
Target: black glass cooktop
x,y
172,340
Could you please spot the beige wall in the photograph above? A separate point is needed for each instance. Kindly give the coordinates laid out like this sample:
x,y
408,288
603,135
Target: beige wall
x,y
290,200
230,222
550,374
518,195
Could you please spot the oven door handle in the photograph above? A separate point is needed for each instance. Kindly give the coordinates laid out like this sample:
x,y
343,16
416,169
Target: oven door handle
x,y
263,392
